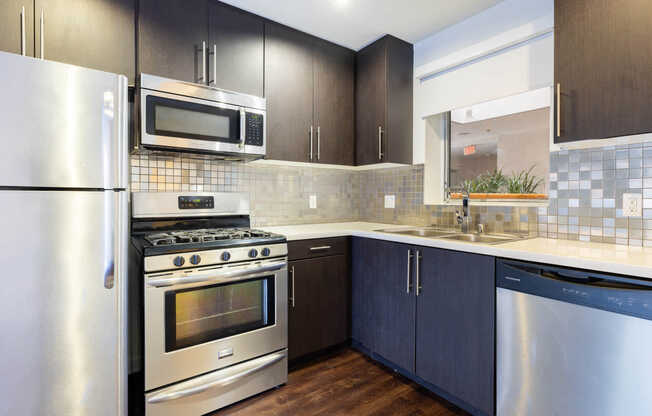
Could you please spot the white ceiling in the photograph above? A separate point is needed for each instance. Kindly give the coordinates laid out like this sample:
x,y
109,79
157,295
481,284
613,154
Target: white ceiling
x,y
357,23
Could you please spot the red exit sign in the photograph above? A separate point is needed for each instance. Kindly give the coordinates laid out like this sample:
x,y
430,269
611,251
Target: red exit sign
x,y
469,150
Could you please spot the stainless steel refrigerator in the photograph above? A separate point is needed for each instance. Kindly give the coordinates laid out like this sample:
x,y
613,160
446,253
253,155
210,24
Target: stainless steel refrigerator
x,y
63,221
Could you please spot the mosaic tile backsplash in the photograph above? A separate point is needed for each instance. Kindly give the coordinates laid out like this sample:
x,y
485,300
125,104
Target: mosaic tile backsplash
x,y
586,195
406,183
279,194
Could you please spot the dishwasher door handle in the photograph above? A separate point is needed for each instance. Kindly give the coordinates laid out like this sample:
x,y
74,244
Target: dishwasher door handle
x,y
580,277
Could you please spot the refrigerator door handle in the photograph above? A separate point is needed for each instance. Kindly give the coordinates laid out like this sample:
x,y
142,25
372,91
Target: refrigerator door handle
x,y
119,269
122,135
109,276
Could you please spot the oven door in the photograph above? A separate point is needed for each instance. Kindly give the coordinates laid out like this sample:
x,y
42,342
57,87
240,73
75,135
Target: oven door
x,y
202,320
180,122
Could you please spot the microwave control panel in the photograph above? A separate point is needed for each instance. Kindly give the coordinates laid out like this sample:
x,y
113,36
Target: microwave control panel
x,y
196,202
254,125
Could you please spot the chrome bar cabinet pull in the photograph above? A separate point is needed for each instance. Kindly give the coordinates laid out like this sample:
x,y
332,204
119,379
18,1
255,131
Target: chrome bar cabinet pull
x,y
320,248
409,260
380,143
418,273
558,110
318,141
203,62
22,32
311,134
42,37
292,298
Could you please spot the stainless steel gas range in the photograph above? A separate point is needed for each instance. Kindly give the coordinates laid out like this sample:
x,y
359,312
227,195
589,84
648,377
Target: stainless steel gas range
x,y
214,295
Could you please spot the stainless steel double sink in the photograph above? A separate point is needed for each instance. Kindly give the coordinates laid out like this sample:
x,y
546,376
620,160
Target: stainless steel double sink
x,y
483,238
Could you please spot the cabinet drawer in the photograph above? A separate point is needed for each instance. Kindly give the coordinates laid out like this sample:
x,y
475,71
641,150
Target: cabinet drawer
x,y
306,249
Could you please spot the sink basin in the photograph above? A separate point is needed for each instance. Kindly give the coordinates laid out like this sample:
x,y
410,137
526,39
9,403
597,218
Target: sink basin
x,y
455,235
420,232
480,238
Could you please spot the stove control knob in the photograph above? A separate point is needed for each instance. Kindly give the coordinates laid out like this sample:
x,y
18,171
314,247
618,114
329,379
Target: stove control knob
x,y
266,251
195,259
179,261
253,253
226,256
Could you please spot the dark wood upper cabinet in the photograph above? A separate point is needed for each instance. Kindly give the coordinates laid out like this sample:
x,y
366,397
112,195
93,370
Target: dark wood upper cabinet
x,y
12,23
98,34
455,325
236,49
289,93
309,91
170,38
370,103
383,103
334,68
603,62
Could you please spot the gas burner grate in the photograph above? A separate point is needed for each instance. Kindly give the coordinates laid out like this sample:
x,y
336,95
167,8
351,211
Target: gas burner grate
x,y
205,235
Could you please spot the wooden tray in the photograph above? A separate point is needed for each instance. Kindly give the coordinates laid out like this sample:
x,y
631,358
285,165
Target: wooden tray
x,y
500,196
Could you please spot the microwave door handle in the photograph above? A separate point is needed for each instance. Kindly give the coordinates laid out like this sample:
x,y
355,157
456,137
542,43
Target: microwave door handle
x,y
215,65
217,275
243,127
219,378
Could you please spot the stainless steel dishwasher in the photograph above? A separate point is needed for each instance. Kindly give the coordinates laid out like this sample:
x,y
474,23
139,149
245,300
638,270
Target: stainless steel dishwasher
x,y
572,342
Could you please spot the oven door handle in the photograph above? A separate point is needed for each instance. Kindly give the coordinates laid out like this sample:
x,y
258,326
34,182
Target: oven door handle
x,y
219,275
219,378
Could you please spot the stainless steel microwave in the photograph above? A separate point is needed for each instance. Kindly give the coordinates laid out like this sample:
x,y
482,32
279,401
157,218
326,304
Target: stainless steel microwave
x,y
177,115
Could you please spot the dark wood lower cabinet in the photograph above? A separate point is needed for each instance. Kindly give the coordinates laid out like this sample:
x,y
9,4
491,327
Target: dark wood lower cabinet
x,y
319,299
444,336
362,292
455,325
395,310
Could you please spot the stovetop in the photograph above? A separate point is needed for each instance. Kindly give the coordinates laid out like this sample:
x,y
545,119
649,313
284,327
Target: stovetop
x,y
166,242
203,236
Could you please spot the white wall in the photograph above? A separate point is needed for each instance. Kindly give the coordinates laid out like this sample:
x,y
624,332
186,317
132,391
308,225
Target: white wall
x,y
521,68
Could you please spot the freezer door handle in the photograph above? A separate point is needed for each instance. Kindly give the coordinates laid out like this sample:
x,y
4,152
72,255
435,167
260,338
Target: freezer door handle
x,y
219,378
109,276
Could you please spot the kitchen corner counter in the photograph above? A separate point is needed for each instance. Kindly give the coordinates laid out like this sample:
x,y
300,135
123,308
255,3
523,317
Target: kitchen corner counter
x,y
609,258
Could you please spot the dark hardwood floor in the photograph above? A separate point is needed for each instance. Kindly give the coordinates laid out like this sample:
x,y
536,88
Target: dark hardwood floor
x,y
344,383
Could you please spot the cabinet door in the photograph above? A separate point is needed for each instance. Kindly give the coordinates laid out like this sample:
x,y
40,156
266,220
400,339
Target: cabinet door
x,y
394,307
11,26
96,34
289,93
170,36
455,325
398,131
333,298
334,109
370,102
363,267
602,67
319,304
236,44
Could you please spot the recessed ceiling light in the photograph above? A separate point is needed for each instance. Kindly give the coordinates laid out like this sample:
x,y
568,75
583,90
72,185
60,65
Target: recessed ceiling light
x,y
340,4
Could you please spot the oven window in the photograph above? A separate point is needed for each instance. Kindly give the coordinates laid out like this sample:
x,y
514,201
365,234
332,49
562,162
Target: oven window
x,y
198,315
192,120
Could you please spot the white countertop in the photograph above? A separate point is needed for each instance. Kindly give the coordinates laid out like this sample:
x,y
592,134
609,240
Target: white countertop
x,y
610,258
